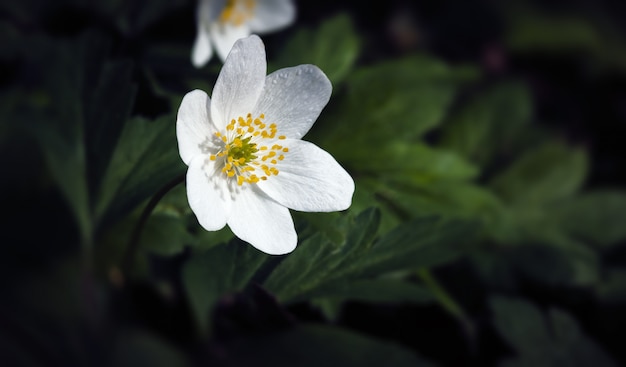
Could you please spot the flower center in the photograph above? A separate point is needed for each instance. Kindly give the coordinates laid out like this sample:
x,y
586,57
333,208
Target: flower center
x,y
237,12
249,151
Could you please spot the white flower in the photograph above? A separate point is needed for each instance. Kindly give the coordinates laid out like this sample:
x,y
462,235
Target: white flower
x,y
247,164
222,22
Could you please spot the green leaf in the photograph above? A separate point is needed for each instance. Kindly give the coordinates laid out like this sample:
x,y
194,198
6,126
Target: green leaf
x,y
217,272
406,162
145,159
165,235
397,100
333,47
106,112
546,173
317,258
596,216
85,99
419,243
490,124
554,339
66,163
318,265
313,345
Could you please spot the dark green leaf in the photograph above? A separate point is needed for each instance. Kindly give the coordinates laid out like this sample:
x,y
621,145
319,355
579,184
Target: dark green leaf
x,y
165,235
319,265
422,242
217,272
333,47
66,163
413,162
145,159
490,124
396,100
548,172
106,113
316,259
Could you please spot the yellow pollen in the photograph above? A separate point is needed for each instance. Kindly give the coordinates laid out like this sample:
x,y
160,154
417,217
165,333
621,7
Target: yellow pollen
x,y
282,137
240,155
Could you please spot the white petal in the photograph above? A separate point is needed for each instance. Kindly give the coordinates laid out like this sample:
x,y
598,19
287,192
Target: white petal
x,y
240,82
272,15
193,126
262,222
224,36
202,51
207,193
293,98
309,180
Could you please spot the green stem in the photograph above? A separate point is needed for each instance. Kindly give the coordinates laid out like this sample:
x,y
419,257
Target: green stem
x,y
442,296
449,304
133,243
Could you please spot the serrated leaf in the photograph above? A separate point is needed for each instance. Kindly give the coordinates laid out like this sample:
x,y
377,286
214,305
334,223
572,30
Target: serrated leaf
x,y
317,258
318,264
419,243
546,173
144,160
333,47
217,272
312,345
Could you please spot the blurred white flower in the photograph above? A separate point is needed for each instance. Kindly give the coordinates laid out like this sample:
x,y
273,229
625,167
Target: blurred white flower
x,y
247,164
222,22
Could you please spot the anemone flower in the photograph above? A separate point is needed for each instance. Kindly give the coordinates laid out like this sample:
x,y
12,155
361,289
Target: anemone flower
x,y
222,22
247,164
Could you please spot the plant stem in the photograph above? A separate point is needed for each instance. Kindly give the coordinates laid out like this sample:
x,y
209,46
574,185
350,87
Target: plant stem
x,y
449,304
133,244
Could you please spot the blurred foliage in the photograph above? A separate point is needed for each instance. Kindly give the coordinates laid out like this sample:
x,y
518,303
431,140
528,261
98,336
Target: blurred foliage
x,y
463,195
